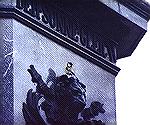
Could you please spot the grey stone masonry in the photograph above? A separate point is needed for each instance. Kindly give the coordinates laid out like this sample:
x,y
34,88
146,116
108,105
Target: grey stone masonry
x,y
6,71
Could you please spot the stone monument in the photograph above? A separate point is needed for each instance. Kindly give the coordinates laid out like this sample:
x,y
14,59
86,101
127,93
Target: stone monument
x,y
76,40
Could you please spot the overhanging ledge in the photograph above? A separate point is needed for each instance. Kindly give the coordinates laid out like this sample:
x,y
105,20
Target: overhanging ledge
x,y
60,39
135,15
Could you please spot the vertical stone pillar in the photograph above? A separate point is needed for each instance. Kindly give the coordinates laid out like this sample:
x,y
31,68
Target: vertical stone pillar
x,y
6,71
6,65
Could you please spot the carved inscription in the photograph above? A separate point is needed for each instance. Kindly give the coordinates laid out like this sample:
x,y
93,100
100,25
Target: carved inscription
x,y
69,27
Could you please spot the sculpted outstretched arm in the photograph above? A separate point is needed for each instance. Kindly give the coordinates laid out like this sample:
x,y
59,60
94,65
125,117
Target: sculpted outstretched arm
x,y
41,86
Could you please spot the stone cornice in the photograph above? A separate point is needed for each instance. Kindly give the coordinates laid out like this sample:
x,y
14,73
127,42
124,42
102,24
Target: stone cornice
x,y
58,38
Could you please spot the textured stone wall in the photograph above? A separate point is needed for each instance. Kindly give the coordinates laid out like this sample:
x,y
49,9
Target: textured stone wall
x,y
6,71
29,47
6,3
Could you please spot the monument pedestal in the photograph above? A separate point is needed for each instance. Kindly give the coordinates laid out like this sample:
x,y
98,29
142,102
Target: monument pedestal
x,y
91,35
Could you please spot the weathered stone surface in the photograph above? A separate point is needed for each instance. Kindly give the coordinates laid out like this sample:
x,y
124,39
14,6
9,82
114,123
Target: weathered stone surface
x,y
32,48
6,78
7,3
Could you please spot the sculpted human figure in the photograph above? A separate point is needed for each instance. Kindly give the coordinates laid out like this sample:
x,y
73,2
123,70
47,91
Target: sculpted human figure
x,y
63,100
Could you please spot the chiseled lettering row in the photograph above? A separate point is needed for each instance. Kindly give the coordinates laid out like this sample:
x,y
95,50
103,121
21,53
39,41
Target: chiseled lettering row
x,y
68,26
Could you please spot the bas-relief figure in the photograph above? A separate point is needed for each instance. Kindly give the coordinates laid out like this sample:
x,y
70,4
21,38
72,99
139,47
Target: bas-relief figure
x,y
63,101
